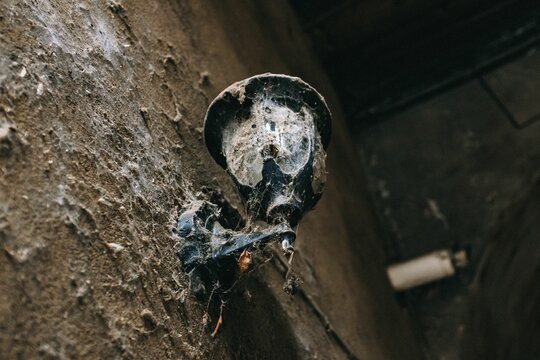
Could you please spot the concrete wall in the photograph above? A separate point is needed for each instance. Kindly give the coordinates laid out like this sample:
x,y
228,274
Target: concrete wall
x,y
101,108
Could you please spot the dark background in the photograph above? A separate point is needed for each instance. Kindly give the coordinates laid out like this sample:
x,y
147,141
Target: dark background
x,y
442,99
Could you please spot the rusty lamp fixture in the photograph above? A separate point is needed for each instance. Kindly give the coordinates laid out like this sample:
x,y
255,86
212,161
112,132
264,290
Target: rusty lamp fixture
x,y
270,133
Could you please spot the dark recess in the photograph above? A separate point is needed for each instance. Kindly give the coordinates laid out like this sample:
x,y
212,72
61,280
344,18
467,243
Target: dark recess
x,y
416,50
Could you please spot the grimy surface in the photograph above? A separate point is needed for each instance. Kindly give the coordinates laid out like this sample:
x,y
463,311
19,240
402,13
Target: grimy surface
x,y
443,172
101,109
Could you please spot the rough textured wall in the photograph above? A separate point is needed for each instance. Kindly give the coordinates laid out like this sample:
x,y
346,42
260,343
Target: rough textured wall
x,y
101,108
505,298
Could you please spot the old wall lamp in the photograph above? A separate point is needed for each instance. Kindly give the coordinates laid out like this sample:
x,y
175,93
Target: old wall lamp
x,y
269,132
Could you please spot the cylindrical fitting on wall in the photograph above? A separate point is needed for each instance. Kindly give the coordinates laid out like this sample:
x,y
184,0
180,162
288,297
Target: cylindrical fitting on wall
x,y
422,270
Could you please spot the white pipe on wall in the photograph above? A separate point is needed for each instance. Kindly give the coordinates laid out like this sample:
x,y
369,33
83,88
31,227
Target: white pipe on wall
x,y
422,270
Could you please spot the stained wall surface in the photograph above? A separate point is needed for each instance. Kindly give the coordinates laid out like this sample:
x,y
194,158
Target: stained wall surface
x,y
101,110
